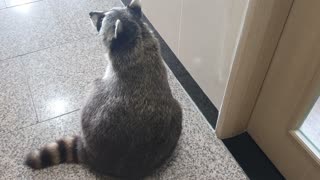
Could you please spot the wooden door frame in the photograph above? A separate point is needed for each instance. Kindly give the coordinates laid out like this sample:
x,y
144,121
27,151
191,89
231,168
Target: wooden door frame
x,y
263,25
288,92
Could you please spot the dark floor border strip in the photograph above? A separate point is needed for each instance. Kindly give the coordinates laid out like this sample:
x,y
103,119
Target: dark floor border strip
x,y
193,89
249,156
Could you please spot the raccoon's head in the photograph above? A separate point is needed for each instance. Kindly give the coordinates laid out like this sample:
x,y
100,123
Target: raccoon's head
x,y
119,27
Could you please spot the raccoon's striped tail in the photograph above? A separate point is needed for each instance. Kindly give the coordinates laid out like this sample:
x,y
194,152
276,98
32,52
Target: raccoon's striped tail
x,y
64,150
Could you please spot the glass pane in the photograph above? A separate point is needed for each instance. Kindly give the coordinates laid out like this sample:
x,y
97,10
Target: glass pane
x,y
311,126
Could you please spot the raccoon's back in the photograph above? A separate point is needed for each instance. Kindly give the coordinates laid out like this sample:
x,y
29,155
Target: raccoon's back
x,y
136,138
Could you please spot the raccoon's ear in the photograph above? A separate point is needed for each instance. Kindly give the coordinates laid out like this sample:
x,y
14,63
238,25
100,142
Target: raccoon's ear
x,y
96,19
135,7
118,28
126,34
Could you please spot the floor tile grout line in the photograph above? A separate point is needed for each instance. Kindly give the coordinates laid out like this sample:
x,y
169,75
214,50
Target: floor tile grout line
x,y
42,49
61,115
20,63
40,122
49,119
8,7
26,78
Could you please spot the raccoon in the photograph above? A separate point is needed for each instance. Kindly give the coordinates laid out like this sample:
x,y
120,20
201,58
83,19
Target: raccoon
x,y
130,122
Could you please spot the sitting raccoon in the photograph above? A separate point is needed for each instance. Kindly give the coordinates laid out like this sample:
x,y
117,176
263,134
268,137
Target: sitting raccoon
x,y
130,122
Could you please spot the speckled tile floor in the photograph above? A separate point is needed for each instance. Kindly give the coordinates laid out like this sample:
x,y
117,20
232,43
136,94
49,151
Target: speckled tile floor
x,y
48,56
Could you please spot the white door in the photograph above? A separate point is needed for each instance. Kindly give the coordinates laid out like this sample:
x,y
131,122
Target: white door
x,y
285,121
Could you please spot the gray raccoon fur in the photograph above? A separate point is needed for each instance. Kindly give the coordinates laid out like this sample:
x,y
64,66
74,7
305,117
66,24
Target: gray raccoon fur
x,y
130,123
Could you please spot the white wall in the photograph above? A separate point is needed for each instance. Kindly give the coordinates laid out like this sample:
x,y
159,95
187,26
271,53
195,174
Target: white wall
x,y
165,17
203,34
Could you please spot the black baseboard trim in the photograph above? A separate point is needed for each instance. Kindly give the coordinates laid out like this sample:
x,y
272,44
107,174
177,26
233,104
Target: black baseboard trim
x,y
183,76
249,156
